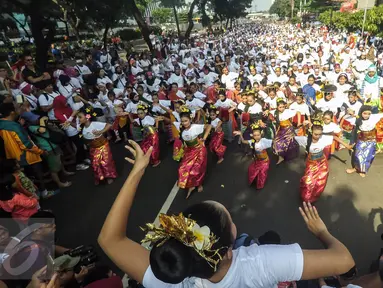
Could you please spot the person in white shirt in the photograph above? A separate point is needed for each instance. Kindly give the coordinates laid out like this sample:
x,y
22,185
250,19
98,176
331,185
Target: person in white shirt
x,y
277,77
46,101
119,78
134,68
102,78
152,83
254,77
303,112
145,62
176,77
228,78
343,87
208,77
254,266
81,68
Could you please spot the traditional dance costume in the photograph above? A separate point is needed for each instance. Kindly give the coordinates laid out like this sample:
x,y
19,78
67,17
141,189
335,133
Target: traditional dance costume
x,y
302,111
150,138
365,147
100,154
260,166
331,129
229,123
346,120
192,169
135,131
314,180
215,144
285,144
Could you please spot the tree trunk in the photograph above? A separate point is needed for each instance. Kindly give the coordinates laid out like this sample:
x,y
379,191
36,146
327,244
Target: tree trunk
x,y
132,7
67,28
231,23
292,3
42,46
177,23
227,23
206,19
190,19
105,36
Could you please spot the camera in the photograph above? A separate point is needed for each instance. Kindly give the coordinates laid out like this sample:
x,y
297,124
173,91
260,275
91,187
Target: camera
x,y
87,254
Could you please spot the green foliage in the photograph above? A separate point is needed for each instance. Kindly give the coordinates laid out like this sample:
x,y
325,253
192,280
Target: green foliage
x,y
354,21
281,7
156,29
183,17
319,6
296,20
162,15
129,34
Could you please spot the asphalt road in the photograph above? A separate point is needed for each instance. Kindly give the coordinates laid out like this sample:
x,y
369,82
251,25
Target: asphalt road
x,y
350,205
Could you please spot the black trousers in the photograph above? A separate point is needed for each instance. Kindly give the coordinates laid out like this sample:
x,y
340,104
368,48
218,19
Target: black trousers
x,y
80,153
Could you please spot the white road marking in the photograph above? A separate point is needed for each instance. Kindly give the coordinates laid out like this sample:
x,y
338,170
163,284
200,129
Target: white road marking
x,y
164,209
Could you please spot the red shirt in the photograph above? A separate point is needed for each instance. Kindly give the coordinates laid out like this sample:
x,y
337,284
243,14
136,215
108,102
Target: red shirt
x,y
21,206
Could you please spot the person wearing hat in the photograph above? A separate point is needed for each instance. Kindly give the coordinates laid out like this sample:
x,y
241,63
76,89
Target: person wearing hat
x,y
64,266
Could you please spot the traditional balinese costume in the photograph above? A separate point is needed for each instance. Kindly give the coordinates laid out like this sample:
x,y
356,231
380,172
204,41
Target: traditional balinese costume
x,y
331,129
229,123
302,111
215,144
314,180
260,166
150,138
100,153
285,144
346,119
365,147
192,169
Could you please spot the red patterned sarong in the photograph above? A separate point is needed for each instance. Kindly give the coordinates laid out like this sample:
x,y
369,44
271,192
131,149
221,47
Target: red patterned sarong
x,y
216,146
259,169
152,140
102,163
314,180
192,168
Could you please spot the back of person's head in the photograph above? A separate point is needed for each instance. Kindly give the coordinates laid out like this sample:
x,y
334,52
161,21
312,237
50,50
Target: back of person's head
x,y
42,217
6,109
8,166
173,261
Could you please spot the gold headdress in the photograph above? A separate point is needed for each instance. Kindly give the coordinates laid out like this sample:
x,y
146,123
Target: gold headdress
x,y
318,122
142,107
254,126
212,107
280,99
186,231
185,109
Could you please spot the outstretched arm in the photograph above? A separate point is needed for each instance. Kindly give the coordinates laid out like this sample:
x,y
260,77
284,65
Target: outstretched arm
x,y
112,238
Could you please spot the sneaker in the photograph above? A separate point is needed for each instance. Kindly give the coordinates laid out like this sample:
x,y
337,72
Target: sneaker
x,y
87,161
81,167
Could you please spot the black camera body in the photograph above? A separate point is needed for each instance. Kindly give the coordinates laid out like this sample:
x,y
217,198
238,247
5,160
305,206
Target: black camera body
x,y
87,254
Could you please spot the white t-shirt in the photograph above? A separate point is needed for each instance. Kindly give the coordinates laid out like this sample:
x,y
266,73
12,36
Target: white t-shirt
x,y
252,267
158,109
368,125
229,79
331,128
87,132
317,147
194,104
301,108
227,104
46,99
285,115
193,132
147,121
199,95
176,79
215,122
263,144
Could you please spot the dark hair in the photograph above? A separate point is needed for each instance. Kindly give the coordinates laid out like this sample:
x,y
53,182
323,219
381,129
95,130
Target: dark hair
x,y
172,262
83,111
328,113
276,114
111,92
8,166
6,109
6,182
42,217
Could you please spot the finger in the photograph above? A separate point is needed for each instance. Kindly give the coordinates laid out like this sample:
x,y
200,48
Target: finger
x,y
307,211
40,272
130,160
316,214
303,215
149,152
134,144
311,210
53,283
131,150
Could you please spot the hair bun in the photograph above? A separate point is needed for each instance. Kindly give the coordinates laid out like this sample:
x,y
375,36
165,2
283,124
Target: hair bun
x,y
171,262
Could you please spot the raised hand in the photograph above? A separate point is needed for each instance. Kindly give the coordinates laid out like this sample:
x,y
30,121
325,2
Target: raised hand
x,y
313,221
140,159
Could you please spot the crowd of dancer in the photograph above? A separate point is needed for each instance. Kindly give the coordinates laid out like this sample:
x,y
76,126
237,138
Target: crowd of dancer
x,y
270,89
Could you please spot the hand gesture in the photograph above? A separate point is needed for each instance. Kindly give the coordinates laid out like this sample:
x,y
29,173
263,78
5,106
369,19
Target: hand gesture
x,y
141,160
81,275
237,133
350,147
312,101
37,282
65,125
313,221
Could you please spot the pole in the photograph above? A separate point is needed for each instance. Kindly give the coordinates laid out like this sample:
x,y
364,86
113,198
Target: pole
x,y
364,20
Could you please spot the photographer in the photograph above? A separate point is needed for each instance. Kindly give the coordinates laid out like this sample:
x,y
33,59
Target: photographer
x,y
52,153
69,270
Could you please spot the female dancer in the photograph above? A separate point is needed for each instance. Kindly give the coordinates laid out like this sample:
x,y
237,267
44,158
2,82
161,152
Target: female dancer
x,y
284,145
314,180
303,112
100,154
149,127
215,144
131,109
226,107
351,110
193,164
364,135
330,128
260,166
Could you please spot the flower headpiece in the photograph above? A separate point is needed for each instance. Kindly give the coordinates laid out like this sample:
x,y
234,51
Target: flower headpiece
x,y
318,122
280,99
212,107
185,109
142,107
254,126
186,231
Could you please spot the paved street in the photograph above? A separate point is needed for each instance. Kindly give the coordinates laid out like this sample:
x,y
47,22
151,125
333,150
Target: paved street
x,y
345,205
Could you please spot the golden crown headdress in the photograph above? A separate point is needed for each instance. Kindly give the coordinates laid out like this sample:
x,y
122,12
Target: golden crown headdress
x,y
142,107
186,231
318,122
254,126
212,107
280,99
185,109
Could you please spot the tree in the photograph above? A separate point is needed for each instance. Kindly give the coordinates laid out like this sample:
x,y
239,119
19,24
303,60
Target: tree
x,y
131,6
162,15
205,19
230,9
284,8
190,18
319,6
174,4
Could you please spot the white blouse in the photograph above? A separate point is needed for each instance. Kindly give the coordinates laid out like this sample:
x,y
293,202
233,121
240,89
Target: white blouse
x,y
331,105
195,104
317,147
285,115
263,144
227,104
87,132
215,122
132,107
368,125
301,108
331,128
147,121
158,109
193,132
